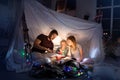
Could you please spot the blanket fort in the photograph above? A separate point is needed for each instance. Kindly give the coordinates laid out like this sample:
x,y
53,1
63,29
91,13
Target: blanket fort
x,y
40,19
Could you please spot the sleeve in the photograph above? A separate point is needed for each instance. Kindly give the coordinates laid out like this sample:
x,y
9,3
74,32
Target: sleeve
x,y
40,37
79,46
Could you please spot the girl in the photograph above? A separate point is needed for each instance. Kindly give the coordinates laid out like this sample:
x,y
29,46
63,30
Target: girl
x,y
62,50
75,50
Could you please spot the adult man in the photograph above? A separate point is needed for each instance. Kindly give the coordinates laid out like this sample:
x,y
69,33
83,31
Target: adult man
x,y
44,43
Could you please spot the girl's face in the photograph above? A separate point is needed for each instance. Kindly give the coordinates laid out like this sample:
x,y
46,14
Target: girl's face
x,y
63,44
69,42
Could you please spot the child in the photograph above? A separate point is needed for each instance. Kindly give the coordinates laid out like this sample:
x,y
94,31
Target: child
x,y
75,50
62,50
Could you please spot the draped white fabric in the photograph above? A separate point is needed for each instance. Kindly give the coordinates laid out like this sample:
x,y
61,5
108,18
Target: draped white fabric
x,y
40,19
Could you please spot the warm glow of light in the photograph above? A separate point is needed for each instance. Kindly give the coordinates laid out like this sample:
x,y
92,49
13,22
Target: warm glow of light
x,y
56,42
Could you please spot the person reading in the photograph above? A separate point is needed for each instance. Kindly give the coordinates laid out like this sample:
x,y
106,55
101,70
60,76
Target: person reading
x,y
75,50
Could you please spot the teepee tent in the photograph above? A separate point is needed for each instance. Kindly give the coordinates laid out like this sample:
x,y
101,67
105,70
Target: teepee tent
x,y
40,19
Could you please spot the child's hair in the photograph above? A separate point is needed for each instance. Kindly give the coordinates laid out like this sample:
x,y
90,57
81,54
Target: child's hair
x,y
63,41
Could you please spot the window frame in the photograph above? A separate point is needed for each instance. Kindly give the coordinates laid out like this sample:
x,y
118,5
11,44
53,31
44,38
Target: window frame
x,y
111,30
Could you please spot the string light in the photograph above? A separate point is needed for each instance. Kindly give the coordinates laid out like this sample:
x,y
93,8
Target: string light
x,y
78,74
26,49
74,69
81,73
27,54
22,52
67,69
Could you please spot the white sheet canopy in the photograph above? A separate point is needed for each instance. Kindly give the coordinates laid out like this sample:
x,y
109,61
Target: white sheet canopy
x,y
40,19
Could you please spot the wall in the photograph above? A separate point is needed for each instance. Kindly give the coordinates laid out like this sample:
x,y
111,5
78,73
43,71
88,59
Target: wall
x,y
46,3
84,7
4,29
9,10
53,4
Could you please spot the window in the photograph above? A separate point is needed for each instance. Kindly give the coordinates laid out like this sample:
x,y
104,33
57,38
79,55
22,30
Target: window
x,y
116,2
110,15
116,24
106,24
103,3
106,13
116,18
116,12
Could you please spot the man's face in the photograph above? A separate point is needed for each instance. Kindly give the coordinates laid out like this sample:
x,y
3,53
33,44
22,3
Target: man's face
x,y
53,36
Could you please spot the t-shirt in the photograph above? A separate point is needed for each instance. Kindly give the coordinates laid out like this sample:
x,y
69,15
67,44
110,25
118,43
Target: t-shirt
x,y
76,53
44,42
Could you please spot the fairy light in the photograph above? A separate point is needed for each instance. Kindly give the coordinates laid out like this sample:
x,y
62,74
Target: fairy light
x,y
26,44
78,74
22,52
81,73
27,60
27,54
74,69
67,69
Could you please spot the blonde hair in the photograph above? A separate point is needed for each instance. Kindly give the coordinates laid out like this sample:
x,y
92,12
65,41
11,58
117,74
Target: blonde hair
x,y
63,41
72,38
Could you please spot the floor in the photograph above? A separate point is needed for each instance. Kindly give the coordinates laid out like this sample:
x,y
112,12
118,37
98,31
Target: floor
x,y
108,70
